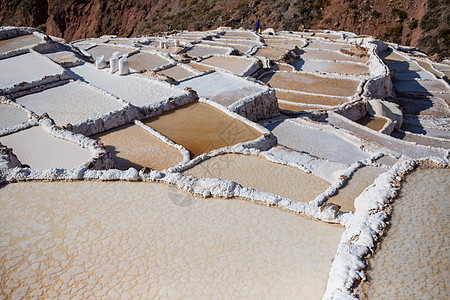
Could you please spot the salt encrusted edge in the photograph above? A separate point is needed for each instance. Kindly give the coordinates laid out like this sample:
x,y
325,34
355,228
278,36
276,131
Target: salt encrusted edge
x,y
366,227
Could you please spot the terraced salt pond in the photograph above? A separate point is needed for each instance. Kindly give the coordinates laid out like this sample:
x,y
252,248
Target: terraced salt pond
x,y
11,116
271,53
18,42
330,55
308,65
25,68
199,67
236,65
240,35
297,107
137,90
200,51
262,175
310,99
412,260
318,141
72,102
146,61
200,128
106,51
312,83
222,88
372,122
176,72
40,150
130,239
133,147
361,179
421,86
324,45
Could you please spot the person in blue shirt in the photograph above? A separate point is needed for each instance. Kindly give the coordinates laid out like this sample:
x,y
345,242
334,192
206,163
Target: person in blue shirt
x,y
257,26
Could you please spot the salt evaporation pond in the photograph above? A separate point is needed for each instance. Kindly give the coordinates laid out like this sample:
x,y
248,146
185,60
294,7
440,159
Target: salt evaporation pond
x,y
330,55
240,47
240,35
11,116
271,53
25,68
296,107
18,42
139,91
40,150
309,99
146,61
133,146
310,65
199,67
72,102
262,175
236,65
413,258
372,122
200,128
106,51
133,239
176,72
324,45
312,83
317,142
361,179
199,51
222,88
421,86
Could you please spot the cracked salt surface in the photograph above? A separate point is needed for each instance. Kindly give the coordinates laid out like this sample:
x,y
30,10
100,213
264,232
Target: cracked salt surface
x,y
413,259
25,68
136,90
11,116
133,146
222,88
262,175
200,128
40,150
72,102
128,240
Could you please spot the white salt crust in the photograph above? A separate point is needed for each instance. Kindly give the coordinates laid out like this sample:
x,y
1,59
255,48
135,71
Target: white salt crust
x,y
38,68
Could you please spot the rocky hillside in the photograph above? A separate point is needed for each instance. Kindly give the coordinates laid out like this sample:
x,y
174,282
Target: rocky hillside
x,y
421,23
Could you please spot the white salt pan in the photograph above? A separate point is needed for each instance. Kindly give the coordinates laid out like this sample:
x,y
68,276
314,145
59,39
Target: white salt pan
x,y
72,102
222,88
11,116
25,68
136,90
40,150
321,143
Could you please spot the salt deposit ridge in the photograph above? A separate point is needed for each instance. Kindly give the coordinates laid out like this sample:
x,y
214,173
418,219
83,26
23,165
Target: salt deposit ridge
x,y
221,164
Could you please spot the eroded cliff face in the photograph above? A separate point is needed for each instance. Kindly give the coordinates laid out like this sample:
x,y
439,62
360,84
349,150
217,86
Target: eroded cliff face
x,y
421,23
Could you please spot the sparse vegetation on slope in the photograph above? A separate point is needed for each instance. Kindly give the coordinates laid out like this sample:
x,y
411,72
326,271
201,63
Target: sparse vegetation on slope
x,y
421,23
